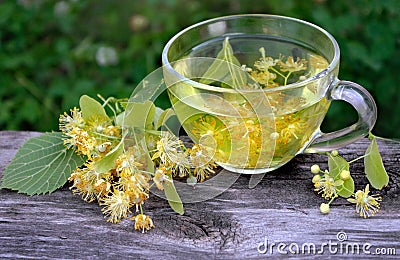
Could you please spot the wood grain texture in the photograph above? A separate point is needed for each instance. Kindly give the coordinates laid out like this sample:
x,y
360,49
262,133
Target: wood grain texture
x,y
281,208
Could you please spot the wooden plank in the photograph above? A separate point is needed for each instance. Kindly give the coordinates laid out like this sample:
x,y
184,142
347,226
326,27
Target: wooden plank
x,y
282,208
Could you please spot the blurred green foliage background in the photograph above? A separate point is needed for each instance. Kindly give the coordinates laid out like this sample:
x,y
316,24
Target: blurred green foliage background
x,y
51,52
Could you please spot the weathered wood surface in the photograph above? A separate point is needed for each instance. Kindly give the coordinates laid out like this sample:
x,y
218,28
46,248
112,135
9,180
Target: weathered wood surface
x,y
282,208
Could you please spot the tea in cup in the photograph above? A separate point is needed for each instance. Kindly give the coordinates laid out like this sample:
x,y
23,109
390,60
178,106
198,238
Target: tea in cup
x,y
254,90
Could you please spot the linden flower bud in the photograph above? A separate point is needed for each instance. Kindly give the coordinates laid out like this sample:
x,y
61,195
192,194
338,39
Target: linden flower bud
x,y
99,129
315,169
316,178
192,181
335,153
345,175
101,148
324,208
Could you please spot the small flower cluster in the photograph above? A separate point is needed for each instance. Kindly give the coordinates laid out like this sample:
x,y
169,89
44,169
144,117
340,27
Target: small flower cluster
x,y
119,174
270,72
331,184
176,160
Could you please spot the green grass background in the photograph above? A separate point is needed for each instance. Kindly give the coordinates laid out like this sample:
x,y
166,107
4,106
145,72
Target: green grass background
x,y
48,50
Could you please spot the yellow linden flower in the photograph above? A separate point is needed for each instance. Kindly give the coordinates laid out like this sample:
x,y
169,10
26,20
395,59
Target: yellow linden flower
x,y
89,183
208,125
82,186
264,63
137,196
69,122
143,222
102,188
127,162
134,183
199,155
264,77
202,162
316,178
98,124
318,62
262,74
291,65
84,143
290,128
116,206
327,186
366,205
181,167
113,131
203,172
168,143
170,152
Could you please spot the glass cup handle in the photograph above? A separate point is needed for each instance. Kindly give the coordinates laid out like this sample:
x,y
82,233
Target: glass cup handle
x,y
365,106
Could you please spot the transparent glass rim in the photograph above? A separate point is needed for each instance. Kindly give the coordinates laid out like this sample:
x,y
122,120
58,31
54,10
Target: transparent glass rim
x,y
332,65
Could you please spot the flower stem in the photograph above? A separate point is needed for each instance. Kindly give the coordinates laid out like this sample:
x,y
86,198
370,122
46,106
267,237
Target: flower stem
x,y
277,72
286,78
383,138
332,199
358,158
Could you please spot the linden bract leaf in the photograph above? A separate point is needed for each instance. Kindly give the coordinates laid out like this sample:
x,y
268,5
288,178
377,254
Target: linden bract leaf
x,y
139,115
91,107
336,165
173,198
374,168
225,68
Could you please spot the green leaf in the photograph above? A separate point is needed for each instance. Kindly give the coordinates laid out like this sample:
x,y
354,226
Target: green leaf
x,y
107,162
347,188
336,165
41,165
374,168
339,182
91,107
173,197
225,68
140,115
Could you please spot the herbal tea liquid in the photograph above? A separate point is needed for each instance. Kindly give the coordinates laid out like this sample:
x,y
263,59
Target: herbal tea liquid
x,y
263,128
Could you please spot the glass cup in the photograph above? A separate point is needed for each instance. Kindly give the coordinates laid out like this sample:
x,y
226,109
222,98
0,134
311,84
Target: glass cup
x,y
246,125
